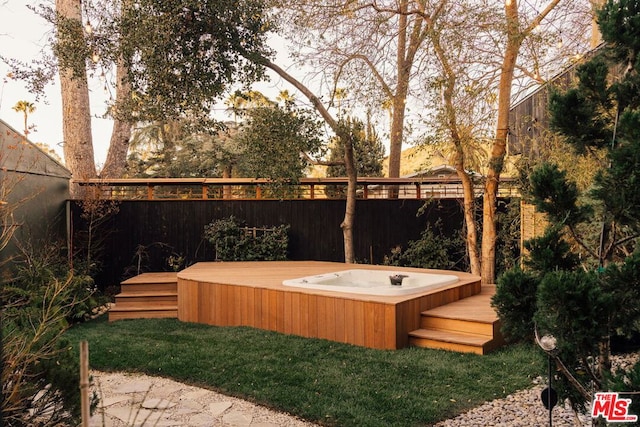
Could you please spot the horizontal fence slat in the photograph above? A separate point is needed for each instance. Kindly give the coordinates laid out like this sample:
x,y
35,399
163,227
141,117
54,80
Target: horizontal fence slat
x,y
447,186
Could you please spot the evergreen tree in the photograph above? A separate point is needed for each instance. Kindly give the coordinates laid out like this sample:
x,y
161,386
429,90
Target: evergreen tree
x,y
583,273
367,147
278,143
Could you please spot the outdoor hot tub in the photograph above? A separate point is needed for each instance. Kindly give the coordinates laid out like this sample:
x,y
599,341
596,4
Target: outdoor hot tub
x,y
373,282
252,294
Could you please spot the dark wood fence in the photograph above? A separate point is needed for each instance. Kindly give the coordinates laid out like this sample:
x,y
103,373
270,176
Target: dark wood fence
x,y
144,234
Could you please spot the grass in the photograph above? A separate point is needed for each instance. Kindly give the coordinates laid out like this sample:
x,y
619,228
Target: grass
x,y
318,380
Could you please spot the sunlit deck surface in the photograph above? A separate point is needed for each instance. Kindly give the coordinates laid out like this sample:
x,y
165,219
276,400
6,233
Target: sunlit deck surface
x,y
252,294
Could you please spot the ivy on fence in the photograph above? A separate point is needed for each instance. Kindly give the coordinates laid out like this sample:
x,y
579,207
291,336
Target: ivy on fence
x,y
233,240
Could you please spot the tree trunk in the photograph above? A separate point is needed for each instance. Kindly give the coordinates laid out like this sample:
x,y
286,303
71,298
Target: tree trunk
x,y
399,100
499,148
116,162
350,209
469,203
76,113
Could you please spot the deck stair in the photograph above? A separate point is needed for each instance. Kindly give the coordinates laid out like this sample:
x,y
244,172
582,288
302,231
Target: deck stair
x,y
148,295
469,325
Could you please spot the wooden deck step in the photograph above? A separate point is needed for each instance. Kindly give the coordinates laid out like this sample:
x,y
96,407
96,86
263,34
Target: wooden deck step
x,y
148,295
146,311
447,340
468,325
139,298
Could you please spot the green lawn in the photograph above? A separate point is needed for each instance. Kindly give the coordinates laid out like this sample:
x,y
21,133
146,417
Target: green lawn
x,y
322,381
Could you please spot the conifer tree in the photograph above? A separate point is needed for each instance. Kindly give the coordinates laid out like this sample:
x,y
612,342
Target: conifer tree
x,y
584,272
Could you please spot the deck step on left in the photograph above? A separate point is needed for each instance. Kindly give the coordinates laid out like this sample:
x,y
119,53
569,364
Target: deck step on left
x,y
469,325
148,295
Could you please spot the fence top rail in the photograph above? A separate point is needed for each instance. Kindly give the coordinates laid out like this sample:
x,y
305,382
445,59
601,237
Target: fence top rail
x,y
453,179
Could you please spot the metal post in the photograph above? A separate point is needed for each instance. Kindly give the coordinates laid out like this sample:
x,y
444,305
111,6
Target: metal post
x,y
549,393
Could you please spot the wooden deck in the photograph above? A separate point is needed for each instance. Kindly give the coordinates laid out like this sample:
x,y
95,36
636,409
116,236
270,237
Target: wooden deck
x,y
455,317
252,294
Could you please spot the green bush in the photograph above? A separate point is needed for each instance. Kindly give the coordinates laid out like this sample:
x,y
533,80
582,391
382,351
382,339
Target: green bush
x,y
233,241
515,303
40,378
550,252
37,269
432,250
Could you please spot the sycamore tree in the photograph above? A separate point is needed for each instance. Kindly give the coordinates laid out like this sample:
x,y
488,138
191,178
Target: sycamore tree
x,y
377,49
582,285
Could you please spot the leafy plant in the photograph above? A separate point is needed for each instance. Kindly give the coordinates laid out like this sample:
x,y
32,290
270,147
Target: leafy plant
x,y
37,268
40,374
432,250
233,241
515,302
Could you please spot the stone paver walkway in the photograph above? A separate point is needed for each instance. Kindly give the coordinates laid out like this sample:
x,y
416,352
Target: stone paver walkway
x,y
140,400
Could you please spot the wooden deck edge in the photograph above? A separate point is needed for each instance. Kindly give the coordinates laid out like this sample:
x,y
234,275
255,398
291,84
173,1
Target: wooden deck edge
x,y
465,343
460,318
145,307
139,294
449,336
152,278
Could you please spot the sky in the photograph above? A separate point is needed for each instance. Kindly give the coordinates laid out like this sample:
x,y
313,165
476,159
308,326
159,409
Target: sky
x,y
23,36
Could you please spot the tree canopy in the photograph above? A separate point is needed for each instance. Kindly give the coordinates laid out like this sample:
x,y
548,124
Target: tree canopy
x,y
182,54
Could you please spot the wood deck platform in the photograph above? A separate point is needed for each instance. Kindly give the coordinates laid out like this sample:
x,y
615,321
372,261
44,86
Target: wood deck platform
x,y
455,317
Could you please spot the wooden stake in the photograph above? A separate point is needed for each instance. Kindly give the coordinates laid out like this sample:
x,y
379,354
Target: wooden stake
x,y
84,382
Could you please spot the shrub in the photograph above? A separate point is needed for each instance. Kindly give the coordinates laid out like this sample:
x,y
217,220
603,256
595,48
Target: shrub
x,y
515,303
432,250
40,374
233,241
38,268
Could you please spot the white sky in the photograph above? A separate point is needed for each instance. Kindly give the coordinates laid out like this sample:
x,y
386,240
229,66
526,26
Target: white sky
x,y
23,35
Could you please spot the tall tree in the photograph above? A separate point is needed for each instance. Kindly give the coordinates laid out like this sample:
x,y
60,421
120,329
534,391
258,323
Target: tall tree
x,y
348,40
72,53
477,47
516,31
347,140
452,44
